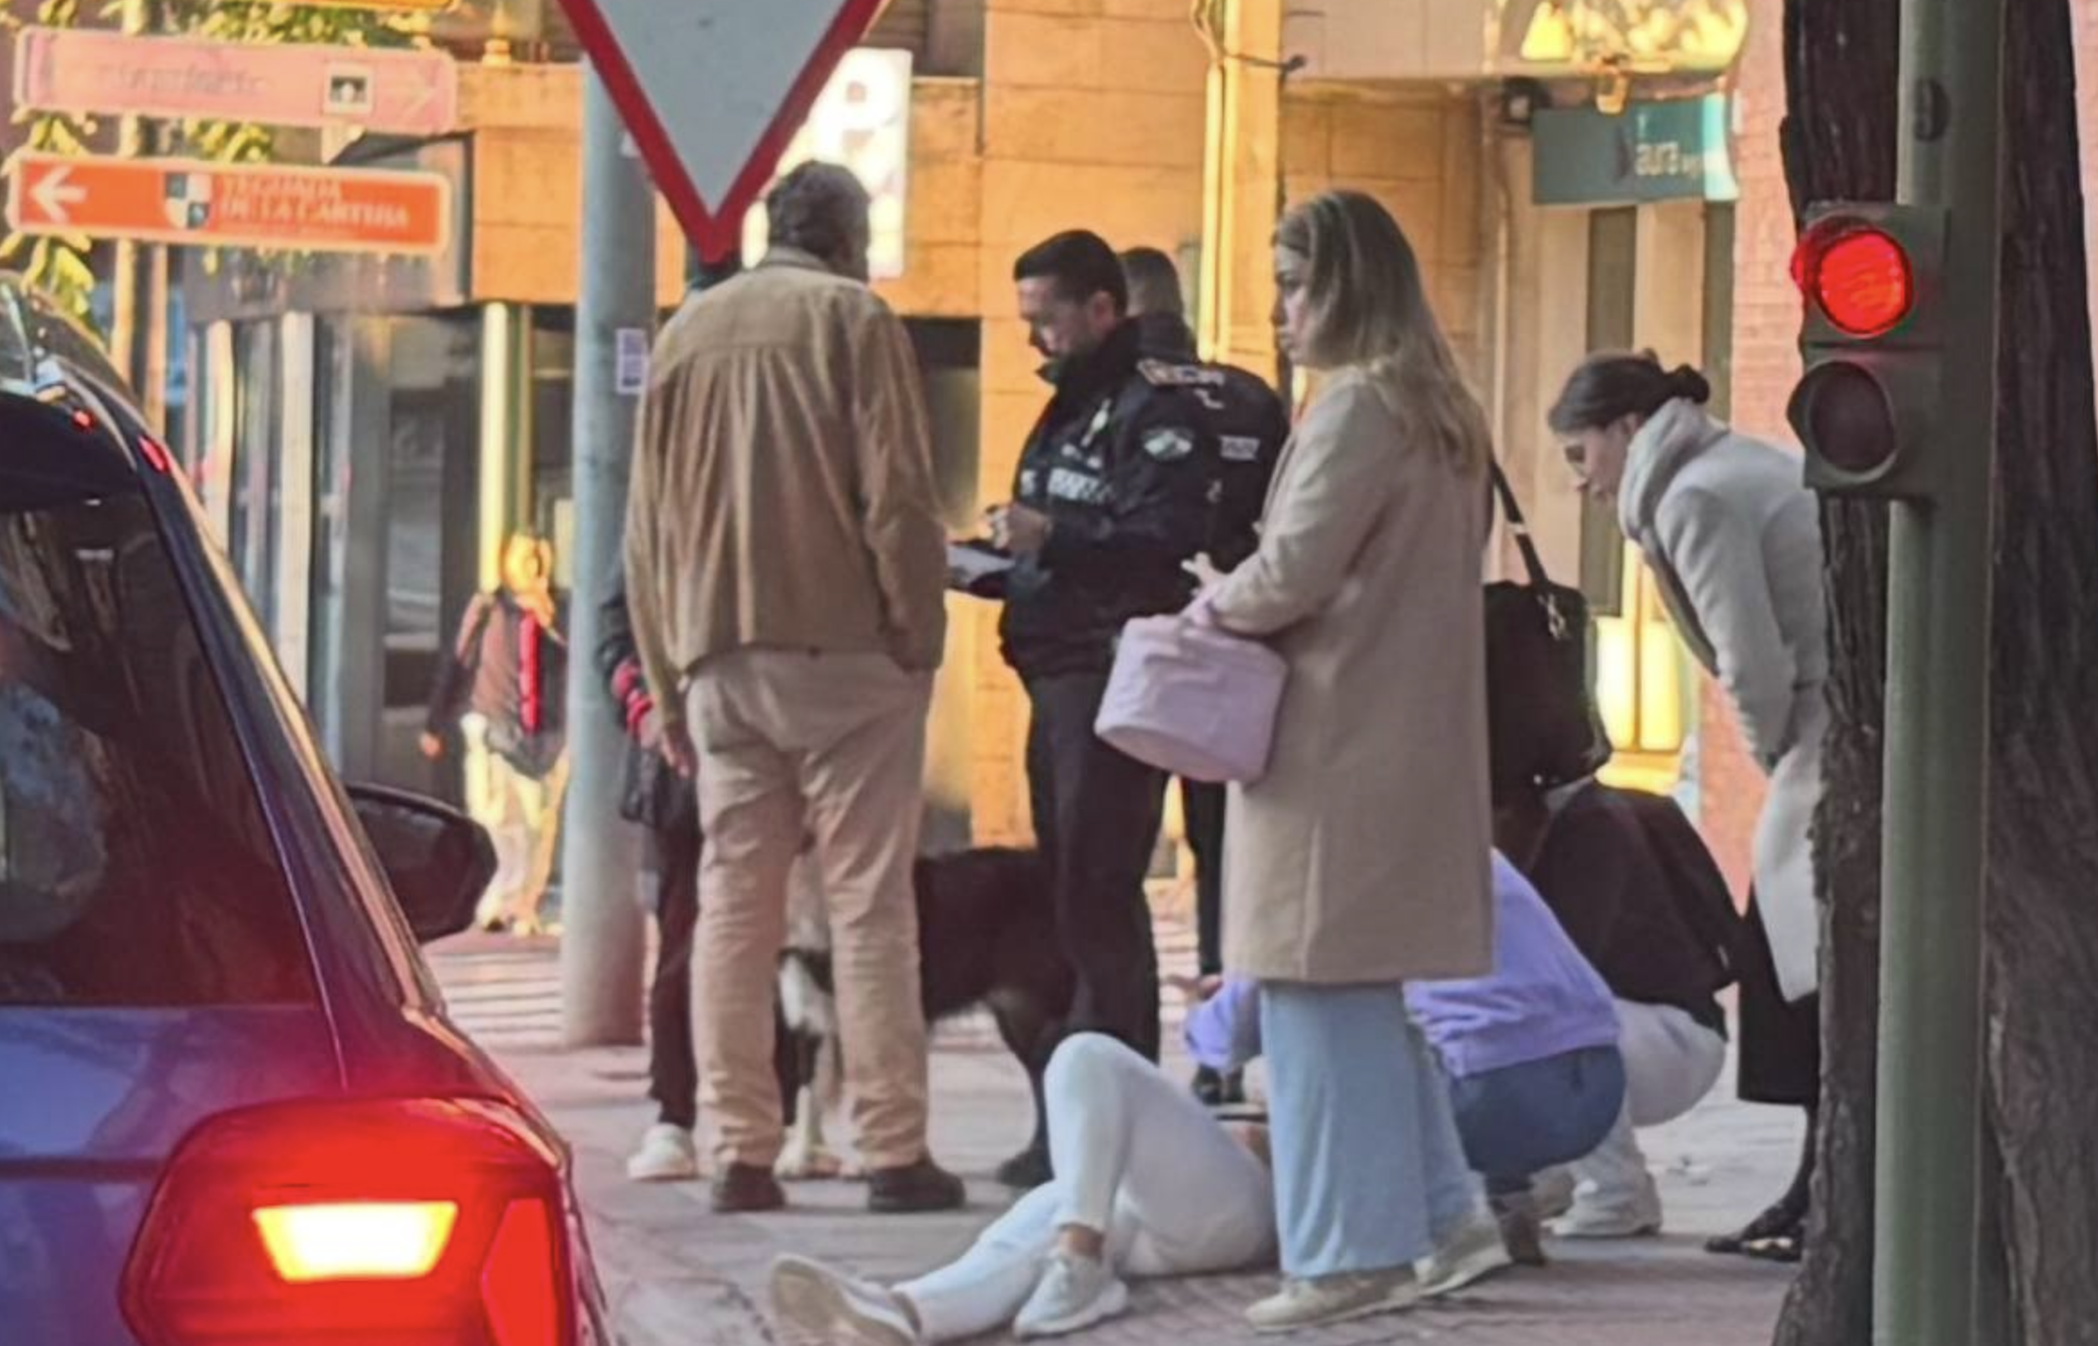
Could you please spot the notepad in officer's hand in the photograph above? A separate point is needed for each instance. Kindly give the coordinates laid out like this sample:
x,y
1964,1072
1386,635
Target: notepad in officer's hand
x,y
969,563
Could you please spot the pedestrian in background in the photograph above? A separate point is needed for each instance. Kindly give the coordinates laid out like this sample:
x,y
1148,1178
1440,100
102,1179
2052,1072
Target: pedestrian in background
x,y
1360,860
503,683
1110,501
1733,538
785,568
1249,426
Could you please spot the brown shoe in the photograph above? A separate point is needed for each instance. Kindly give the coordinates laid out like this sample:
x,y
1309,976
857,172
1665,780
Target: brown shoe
x,y
743,1189
914,1188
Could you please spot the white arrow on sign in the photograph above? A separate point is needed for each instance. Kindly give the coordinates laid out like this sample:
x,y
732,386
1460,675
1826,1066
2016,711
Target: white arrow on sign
x,y
55,195
713,90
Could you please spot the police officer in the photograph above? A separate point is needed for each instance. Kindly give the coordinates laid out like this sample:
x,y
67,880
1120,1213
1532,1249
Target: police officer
x,y
1110,503
1250,426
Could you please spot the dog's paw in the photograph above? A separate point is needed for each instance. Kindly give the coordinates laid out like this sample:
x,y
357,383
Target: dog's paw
x,y
804,1164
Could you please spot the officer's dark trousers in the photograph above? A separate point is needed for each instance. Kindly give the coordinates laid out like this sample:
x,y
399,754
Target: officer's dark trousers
x,y
673,1072
1096,813
1202,810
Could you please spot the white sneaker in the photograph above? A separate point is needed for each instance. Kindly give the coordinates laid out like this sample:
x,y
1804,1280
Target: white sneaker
x,y
1469,1254
836,1309
1613,1215
1319,1301
667,1154
1074,1293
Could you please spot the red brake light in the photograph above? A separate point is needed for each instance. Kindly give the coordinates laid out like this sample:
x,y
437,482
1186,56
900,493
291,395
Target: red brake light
x,y
523,1305
157,455
83,420
1859,276
430,1221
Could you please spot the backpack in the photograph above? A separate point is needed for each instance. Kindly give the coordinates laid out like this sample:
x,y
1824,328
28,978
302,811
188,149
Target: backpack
x,y
1694,881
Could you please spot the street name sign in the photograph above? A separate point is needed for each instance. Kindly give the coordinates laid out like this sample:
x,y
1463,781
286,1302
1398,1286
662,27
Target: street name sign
x,y
85,70
230,205
713,90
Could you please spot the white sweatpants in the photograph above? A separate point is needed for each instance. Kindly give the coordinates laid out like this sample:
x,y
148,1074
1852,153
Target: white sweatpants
x,y
1136,1157
1671,1062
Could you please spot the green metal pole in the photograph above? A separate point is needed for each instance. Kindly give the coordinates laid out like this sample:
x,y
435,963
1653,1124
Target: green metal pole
x,y
1928,1283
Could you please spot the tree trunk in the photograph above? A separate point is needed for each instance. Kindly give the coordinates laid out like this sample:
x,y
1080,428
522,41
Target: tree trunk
x,y
1838,141
2043,746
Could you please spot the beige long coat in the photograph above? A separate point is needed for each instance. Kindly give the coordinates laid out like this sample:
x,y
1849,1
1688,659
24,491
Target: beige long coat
x,y
1363,854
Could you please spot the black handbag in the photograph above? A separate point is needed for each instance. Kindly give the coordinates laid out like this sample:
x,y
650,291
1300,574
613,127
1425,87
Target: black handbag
x,y
1541,716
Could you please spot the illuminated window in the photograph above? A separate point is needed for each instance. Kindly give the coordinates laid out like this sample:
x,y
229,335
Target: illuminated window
x,y
1642,686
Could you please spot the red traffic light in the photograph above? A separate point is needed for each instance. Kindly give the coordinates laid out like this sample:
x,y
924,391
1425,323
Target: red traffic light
x,y
1859,277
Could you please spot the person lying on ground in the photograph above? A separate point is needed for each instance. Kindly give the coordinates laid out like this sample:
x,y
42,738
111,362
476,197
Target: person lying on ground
x,y
1148,1184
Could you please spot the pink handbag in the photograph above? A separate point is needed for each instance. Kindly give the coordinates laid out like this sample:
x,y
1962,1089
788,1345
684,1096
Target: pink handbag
x,y
1193,700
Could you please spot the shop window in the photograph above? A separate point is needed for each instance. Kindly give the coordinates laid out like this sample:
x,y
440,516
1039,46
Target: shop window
x,y
252,537
1642,683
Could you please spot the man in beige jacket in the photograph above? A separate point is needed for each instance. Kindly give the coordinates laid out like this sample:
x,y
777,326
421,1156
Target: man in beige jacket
x,y
785,570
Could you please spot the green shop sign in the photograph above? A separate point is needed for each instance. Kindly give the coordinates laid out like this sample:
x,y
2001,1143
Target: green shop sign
x,y
1673,151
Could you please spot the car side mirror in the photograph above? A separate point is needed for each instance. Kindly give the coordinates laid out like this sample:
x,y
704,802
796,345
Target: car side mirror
x,y
438,860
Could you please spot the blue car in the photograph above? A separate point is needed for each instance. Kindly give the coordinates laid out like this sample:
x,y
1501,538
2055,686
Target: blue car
x,y
232,1108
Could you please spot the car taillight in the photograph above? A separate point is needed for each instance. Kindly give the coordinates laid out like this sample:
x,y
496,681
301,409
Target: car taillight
x,y
417,1222
353,1240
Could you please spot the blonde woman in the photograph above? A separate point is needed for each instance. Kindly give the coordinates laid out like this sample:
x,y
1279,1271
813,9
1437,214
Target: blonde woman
x,y
1361,860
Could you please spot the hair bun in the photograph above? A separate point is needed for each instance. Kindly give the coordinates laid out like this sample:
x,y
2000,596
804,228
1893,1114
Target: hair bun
x,y
1687,382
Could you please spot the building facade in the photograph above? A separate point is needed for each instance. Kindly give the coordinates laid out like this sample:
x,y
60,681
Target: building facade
x,y
1574,175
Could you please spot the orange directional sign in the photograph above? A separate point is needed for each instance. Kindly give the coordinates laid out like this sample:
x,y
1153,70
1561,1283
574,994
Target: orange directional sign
x,y
221,205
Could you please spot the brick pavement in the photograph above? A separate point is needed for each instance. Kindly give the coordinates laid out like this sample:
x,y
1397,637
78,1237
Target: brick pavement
x,y
680,1276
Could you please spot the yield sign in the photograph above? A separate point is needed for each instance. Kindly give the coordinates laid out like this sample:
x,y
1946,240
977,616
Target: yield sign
x,y
713,90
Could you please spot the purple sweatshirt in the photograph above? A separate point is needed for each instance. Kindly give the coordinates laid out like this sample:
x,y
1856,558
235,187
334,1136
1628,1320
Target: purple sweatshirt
x,y
1542,999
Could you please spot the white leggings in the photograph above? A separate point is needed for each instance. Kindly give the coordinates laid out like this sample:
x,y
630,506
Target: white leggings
x,y
1136,1157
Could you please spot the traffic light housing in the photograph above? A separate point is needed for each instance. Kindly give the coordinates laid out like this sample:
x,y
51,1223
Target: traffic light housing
x,y
1871,277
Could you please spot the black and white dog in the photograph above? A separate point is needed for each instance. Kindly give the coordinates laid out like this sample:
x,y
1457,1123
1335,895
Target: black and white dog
x,y
986,936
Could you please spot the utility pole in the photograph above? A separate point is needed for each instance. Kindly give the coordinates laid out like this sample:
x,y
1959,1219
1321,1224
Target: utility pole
x,y
1934,1282
602,933
138,337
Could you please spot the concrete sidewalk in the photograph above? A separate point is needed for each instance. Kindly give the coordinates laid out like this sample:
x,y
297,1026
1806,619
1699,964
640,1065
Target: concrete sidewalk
x,y
679,1275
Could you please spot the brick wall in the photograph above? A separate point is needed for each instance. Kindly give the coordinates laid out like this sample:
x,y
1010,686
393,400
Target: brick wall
x,y
1766,366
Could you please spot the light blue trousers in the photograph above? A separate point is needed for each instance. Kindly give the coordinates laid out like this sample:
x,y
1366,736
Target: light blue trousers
x,y
1369,1171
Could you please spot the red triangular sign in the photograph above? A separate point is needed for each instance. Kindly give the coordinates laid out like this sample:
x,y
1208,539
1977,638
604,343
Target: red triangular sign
x,y
713,90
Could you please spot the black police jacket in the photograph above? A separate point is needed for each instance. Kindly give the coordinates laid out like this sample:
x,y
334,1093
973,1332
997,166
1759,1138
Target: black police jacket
x,y
1122,465
1250,424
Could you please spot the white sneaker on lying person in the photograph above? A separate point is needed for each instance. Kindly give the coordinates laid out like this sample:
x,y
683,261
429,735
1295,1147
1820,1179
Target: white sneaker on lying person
x,y
1074,1293
838,1309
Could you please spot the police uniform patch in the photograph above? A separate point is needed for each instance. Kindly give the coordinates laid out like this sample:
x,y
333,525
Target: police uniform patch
x,y
1174,374
1170,444
1239,448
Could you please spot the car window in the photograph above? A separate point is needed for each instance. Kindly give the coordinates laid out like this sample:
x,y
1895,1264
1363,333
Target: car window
x,y
136,867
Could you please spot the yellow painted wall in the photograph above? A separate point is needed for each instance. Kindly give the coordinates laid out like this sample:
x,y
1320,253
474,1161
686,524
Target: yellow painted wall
x,y
1418,152
527,192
